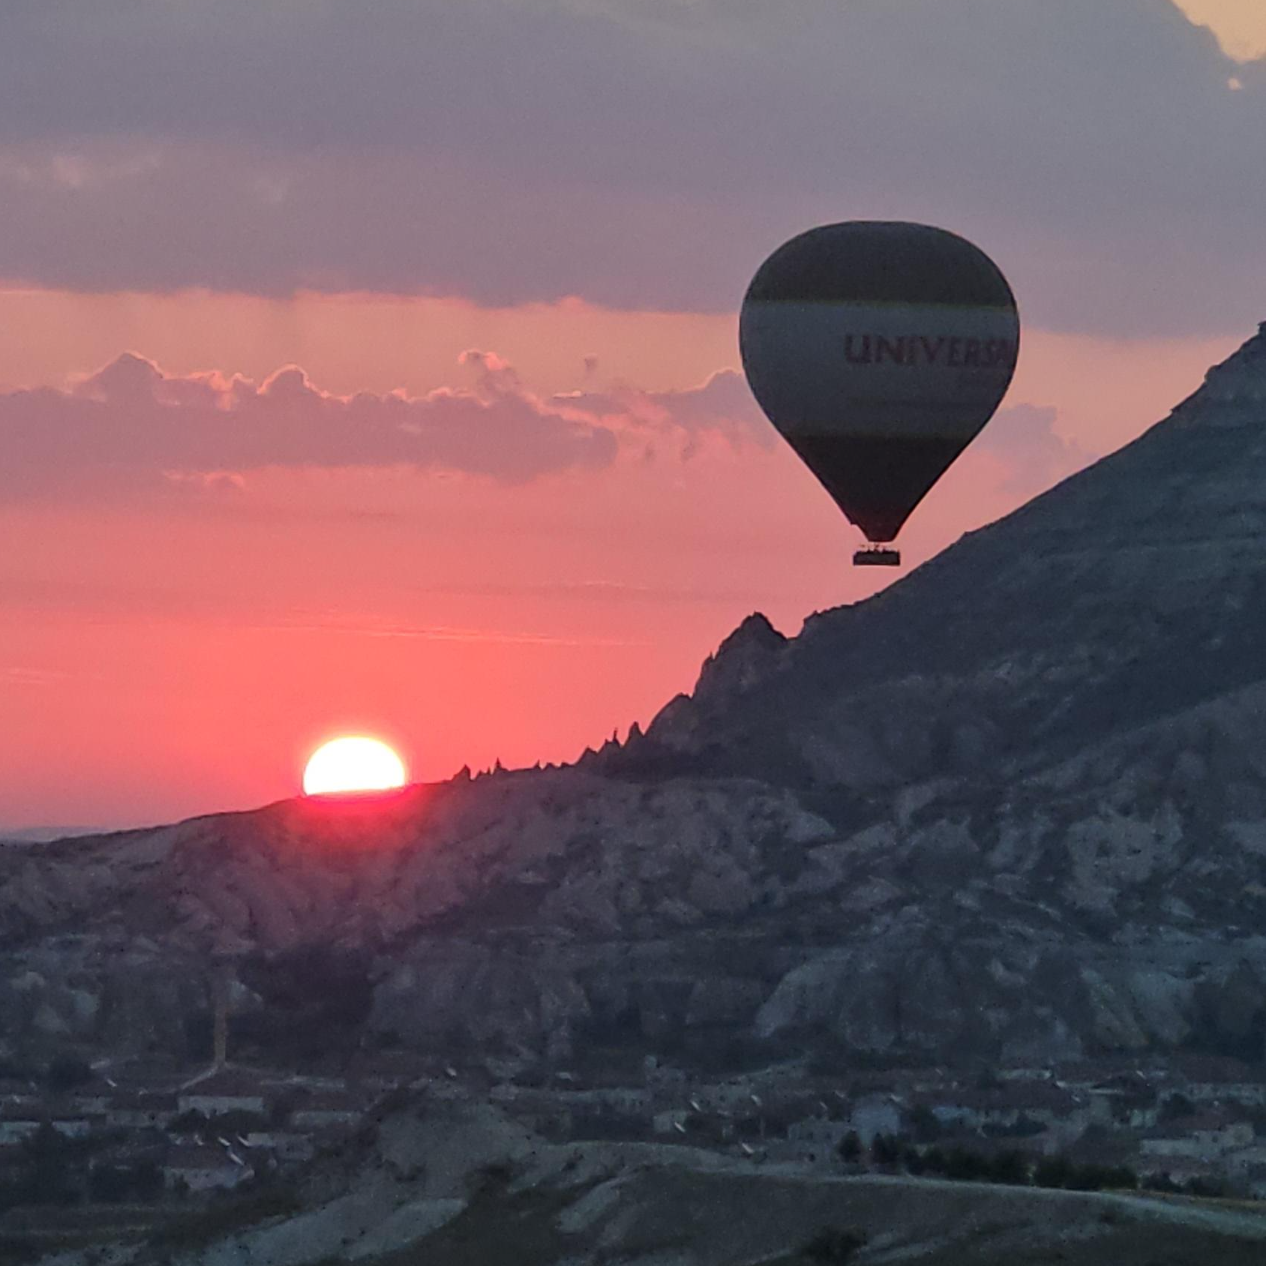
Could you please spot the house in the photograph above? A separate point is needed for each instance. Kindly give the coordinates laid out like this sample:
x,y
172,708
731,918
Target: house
x,y
330,1110
730,1096
1246,1161
1209,1079
223,1091
1178,1169
204,1168
17,1123
615,1100
387,1070
285,1145
673,1121
876,1114
1205,1137
71,1125
663,1078
816,1140
1010,1107
135,1111
92,1103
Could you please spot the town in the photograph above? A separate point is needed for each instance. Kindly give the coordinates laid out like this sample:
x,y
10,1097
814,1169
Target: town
x,y
90,1138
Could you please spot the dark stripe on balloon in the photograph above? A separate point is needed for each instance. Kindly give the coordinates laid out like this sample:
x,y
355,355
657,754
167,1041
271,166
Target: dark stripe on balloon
x,y
877,480
880,262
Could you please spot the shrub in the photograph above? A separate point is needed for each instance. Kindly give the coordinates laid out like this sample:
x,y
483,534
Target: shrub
x,y
1053,1171
965,1166
1176,1105
925,1124
1010,1168
885,1149
833,1246
66,1072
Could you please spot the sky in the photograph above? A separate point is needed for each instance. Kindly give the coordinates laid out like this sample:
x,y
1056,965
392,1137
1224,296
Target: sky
x,y
373,367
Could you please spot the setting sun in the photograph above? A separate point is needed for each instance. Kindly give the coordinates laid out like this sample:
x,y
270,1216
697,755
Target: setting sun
x,y
353,764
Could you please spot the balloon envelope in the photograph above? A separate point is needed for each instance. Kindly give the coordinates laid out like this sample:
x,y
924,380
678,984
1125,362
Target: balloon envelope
x,y
879,350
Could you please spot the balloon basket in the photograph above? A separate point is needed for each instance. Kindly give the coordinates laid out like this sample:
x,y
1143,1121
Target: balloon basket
x,y
877,556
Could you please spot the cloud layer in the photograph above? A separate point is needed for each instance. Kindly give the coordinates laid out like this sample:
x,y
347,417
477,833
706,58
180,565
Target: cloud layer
x,y
131,427
641,153
132,422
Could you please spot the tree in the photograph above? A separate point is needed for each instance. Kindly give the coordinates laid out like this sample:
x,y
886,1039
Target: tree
x,y
1011,1168
189,1122
833,1246
965,1166
1176,1105
66,1072
925,1124
850,1148
885,1149
1053,1171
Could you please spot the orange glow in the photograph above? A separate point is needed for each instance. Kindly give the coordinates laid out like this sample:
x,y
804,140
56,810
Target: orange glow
x,y
1240,25
352,764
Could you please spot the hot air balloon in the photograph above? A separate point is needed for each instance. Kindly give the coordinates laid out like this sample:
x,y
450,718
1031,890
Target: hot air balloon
x,y
879,350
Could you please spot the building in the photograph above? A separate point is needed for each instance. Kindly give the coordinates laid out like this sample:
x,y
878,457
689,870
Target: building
x,y
673,1121
1012,1106
330,1110
136,1111
876,1114
204,1169
387,1070
285,1145
663,1078
222,1092
1209,1079
1206,1137
17,1123
815,1140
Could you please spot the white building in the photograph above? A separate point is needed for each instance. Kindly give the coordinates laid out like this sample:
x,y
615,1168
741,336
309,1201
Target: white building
x,y
876,1114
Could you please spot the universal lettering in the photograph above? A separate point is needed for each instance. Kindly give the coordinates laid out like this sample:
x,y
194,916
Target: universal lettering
x,y
912,350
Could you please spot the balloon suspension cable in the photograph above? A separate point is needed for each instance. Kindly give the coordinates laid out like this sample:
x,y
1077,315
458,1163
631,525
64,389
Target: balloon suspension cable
x,y
877,556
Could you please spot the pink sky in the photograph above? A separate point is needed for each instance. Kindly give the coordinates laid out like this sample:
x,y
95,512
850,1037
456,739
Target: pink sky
x,y
172,643
382,376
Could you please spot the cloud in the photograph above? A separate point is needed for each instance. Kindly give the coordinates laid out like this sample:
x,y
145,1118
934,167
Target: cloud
x,y
637,153
722,407
131,425
1023,440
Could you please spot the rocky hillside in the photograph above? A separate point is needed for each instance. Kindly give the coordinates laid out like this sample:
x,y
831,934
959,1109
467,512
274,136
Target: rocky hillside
x,y
1014,807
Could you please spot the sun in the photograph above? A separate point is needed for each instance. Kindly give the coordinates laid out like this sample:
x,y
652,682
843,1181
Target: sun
x,y
351,764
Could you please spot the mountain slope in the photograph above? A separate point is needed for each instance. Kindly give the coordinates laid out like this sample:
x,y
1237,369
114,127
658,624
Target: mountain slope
x,y
1014,808
1130,591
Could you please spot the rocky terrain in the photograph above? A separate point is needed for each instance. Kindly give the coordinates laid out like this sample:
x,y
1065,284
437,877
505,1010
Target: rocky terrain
x,y
1012,808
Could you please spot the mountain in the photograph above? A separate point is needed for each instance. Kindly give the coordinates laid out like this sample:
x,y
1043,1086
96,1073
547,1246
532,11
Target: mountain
x,y
43,834
1013,808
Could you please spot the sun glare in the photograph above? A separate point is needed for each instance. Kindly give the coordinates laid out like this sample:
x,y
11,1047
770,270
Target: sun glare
x,y
352,764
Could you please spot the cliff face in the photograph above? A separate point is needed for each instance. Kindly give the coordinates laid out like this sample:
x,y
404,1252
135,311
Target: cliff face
x,y
1015,806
